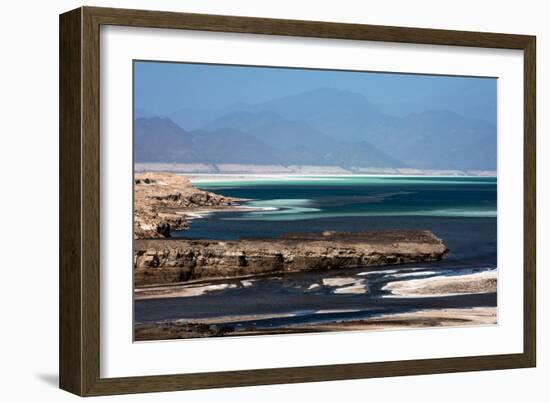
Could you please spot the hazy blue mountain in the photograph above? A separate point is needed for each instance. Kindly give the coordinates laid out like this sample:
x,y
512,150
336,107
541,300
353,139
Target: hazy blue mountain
x,y
226,145
326,110
274,129
161,140
359,154
473,100
300,143
344,114
143,113
321,127
315,104
195,118
430,139
440,139
451,140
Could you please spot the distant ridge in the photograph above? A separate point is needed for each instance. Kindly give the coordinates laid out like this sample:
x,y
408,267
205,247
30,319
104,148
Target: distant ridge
x,y
276,170
250,138
323,127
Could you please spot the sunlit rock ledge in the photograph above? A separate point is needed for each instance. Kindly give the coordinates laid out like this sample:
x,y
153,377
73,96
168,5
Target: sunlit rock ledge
x,y
162,202
172,261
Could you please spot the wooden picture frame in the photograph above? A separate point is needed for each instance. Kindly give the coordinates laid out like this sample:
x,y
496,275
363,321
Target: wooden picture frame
x,y
79,346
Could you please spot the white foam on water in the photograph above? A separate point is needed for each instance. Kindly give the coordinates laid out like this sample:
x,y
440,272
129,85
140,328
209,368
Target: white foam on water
x,y
293,213
413,274
369,273
322,311
409,288
339,281
195,215
358,288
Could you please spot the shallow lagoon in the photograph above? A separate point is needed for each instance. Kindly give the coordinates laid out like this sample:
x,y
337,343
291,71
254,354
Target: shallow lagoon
x,y
461,211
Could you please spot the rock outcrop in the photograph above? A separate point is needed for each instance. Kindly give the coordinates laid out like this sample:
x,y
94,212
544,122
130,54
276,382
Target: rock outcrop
x,y
163,262
162,200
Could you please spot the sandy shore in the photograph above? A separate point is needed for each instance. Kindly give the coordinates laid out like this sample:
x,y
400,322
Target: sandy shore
x,y
476,283
423,318
187,290
216,327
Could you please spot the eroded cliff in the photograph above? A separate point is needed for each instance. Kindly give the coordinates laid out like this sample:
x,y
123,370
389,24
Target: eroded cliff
x,y
163,262
161,201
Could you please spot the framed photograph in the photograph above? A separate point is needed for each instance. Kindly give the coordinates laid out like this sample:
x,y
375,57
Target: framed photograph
x,y
249,201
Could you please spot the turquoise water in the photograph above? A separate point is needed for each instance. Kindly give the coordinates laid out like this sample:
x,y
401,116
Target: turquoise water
x,y
460,211
347,180
306,197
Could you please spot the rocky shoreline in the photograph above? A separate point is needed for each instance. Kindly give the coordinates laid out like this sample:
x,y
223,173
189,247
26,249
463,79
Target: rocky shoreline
x,y
166,267
163,202
165,262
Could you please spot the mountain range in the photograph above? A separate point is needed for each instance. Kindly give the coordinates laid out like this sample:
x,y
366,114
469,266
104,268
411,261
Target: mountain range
x,y
321,127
